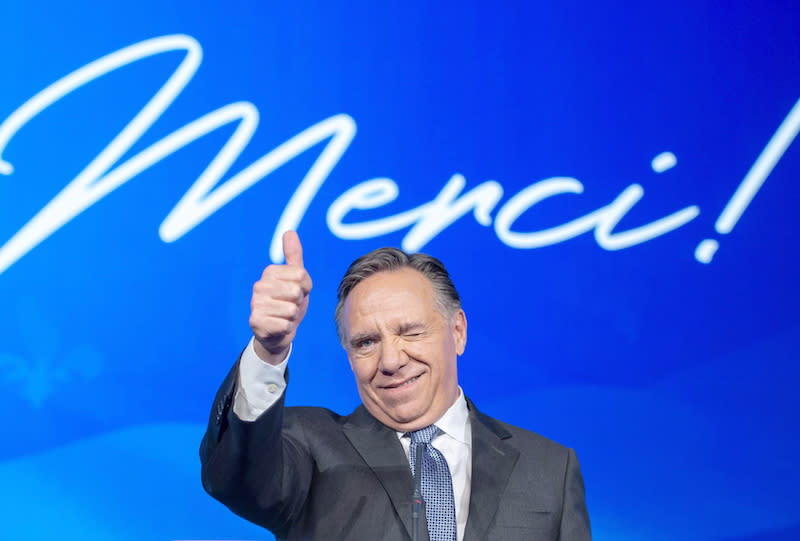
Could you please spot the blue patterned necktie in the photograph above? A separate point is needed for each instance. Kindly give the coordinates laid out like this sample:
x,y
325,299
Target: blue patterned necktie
x,y
437,486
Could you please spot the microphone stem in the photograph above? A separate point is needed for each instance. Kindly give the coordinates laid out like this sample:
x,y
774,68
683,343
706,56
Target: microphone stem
x,y
417,503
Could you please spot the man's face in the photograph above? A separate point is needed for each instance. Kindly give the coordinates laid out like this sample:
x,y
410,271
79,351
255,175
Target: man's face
x,y
402,349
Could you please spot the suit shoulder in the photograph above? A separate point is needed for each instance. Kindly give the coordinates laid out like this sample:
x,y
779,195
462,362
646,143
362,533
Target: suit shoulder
x,y
534,438
312,414
526,440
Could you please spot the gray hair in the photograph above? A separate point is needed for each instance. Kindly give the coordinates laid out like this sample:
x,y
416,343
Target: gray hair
x,y
390,259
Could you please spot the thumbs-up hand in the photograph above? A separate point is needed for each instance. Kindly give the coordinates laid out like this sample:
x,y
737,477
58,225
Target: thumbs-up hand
x,y
279,302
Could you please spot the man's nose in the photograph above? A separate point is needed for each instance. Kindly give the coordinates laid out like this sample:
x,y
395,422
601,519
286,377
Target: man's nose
x,y
393,357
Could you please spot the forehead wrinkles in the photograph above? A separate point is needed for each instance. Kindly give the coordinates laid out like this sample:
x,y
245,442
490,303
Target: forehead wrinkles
x,y
390,312
393,298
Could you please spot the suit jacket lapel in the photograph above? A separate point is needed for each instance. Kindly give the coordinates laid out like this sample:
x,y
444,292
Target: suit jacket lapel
x,y
492,462
380,448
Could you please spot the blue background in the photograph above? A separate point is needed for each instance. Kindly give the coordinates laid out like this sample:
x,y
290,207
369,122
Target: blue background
x,y
674,380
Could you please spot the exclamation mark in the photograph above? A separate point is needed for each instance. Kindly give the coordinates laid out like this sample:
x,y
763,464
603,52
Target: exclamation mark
x,y
752,182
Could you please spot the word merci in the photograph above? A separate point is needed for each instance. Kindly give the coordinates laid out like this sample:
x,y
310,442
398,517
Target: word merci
x,y
105,174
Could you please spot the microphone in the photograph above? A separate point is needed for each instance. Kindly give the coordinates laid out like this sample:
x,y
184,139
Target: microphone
x,y
417,503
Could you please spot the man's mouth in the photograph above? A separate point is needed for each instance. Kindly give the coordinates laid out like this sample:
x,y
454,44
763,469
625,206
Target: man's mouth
x,y
402,384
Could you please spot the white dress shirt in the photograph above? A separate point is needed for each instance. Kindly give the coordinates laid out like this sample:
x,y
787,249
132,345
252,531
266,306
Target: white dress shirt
x,y
261,384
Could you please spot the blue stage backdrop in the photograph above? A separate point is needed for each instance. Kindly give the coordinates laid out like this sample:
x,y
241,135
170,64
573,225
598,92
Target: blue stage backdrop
x,y
614,188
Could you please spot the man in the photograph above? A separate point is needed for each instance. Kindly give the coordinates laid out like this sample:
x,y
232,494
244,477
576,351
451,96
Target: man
x,y
310,474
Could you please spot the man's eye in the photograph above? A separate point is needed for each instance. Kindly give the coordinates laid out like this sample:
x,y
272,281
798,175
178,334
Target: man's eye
x,y
363,344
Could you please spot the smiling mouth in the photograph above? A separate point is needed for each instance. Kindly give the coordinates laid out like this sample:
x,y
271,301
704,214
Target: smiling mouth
x,y
406,383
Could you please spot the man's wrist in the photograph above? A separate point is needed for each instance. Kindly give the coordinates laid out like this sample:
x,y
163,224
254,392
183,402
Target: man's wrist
x,y
269,357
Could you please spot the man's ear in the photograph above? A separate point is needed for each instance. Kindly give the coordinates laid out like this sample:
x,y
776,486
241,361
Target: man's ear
x,y
459,329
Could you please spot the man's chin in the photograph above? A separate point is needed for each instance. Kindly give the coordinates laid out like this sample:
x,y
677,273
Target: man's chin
x,y
402,418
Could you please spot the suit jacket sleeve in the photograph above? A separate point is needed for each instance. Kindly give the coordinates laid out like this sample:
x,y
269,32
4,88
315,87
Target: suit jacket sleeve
x,y
257,469
575,518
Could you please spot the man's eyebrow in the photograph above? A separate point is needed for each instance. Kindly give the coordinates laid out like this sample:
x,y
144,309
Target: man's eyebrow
x,y
356,338
415,326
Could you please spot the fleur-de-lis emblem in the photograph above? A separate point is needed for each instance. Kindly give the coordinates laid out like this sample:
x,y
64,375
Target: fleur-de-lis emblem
x,y
50,364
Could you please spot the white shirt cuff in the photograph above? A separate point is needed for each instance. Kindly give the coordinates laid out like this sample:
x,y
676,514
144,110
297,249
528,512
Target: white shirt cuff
x,y
260,384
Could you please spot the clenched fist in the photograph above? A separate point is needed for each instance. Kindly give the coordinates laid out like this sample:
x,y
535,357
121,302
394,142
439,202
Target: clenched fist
x,y
279,302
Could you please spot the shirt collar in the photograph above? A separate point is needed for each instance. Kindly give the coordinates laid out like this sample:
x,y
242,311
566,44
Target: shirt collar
x,y
454,421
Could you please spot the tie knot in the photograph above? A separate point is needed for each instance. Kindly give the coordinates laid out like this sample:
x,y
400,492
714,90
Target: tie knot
x,y
424,435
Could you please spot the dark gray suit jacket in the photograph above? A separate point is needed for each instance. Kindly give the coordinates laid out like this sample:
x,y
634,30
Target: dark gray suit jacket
x,y
310,474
